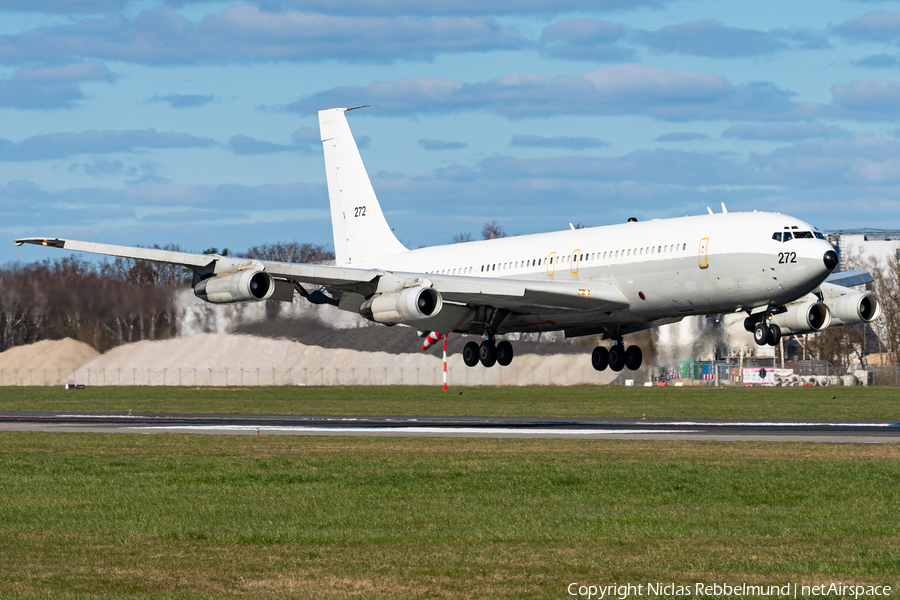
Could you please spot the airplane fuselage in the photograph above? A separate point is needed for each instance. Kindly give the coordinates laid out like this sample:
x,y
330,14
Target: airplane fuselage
x,y
665,268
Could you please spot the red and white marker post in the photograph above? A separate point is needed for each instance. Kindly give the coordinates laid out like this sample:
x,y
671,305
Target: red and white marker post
x,y
430,340
445,363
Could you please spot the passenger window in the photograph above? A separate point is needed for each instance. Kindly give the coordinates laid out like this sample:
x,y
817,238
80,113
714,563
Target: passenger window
x,y
787,236
776,236
685,247
539,262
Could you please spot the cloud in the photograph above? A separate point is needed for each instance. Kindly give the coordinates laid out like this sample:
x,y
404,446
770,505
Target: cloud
x,y
617,90
47,88
586,39
862,161
866,99
243,33
64,7
457,7
570,143
184,100
441,145
873,26
785,132
64,145
877,61
305,140
101,168
710,38
682,136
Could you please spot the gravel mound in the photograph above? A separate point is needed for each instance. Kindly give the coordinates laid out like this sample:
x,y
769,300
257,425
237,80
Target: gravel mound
x,y
223,359
44,363
381,338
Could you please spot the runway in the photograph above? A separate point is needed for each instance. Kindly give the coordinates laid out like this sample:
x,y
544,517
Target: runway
x,y
770,430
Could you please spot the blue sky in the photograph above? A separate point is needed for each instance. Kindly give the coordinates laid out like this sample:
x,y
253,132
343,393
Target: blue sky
x,y
142,122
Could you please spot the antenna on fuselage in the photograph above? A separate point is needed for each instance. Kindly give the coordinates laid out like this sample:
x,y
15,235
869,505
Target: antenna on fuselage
x,y
710,210
724,210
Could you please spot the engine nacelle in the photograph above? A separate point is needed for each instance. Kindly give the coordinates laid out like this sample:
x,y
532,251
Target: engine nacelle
x,y
854,309
243,286
406,305
808,317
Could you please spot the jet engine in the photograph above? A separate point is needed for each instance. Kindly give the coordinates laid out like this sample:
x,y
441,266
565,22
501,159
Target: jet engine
x,y
807,317
406,305
854,309
243,286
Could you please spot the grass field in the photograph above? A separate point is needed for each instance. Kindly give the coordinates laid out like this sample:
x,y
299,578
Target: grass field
x,y
579,401
173,516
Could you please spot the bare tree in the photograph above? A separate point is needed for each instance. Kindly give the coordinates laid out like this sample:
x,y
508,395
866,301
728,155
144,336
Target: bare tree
x,y
460,238
290,252
492,231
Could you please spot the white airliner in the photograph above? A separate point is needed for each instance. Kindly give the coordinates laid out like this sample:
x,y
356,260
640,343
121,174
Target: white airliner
x,y
611,280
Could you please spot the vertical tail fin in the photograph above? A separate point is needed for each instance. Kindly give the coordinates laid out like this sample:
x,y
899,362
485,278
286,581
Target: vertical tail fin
x,y
361,232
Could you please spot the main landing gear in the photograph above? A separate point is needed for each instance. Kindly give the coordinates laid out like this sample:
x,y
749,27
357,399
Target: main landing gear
x,y
488,353
763,333
617,358
766,334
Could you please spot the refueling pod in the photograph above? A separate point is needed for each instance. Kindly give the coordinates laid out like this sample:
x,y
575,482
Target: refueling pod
x,y
854,309
807,317
409,304
243,286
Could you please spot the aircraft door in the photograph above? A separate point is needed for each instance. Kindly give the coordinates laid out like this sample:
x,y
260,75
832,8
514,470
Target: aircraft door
x,y
702,253
574,264
551,264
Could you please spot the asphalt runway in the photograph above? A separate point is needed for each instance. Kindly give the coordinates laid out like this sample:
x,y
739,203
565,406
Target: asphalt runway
x,y
774,430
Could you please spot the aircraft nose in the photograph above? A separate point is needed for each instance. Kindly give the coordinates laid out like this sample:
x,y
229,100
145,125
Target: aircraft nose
x,y
830,259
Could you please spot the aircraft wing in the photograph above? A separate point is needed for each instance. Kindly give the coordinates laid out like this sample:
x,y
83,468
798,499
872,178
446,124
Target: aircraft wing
x,y
529,296
850,278
517,296
302,273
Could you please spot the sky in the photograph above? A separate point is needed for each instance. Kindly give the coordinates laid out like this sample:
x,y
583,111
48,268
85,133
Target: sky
x,y
195,123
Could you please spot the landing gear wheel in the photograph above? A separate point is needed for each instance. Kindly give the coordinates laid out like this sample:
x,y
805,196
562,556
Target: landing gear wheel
x,y
488,353
600,358
504,353
761,334
617,358
633,358
774,335
470,354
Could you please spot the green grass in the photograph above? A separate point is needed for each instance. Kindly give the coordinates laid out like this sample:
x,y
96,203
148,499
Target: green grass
x,y
173,516
579,401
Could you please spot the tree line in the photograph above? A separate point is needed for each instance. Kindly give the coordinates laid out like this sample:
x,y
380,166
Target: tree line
x,y
110,303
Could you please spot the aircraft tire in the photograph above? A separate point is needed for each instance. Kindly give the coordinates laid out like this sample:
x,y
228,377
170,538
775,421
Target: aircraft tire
x,y
600,358
617,358
471,354
633,358
761,334
774,335
504,353
487,352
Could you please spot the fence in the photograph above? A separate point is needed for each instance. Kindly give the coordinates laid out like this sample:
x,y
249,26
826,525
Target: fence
x,y
325,376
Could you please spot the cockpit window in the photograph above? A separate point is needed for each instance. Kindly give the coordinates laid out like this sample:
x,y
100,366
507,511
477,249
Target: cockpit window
x,y
818,235
805,235
786,236
776,236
